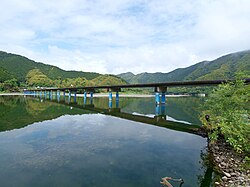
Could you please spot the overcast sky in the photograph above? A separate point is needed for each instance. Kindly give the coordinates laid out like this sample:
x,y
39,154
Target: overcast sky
x,y
115,36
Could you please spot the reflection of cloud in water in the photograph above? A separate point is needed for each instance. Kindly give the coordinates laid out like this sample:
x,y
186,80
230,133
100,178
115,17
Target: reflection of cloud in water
x,y
80,127
83,141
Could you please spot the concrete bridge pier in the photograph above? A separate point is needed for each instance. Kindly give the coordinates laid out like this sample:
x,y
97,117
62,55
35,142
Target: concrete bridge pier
x,y
85,98
40,93
69,96
117,98
75,97
58,95
163,110
116,90
91,97
110,104
157,110
163,97
110,96
64,95
157,98
160,95
110,99
160,112
51,95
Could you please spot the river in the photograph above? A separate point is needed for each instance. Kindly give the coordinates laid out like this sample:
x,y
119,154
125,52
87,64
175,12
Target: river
x,y
45,143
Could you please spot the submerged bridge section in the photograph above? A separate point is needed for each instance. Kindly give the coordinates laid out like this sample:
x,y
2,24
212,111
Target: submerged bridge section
x,y
160,89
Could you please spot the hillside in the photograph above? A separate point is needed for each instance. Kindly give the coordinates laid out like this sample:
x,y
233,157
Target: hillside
x,y
225,67
5,75
18,66
18,71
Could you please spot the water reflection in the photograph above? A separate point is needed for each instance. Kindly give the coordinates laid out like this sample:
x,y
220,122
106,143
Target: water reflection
x,y
97,150
69,146
184,109
18,112
180,109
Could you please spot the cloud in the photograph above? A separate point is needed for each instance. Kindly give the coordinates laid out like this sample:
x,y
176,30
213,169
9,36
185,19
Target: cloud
x,y
124,35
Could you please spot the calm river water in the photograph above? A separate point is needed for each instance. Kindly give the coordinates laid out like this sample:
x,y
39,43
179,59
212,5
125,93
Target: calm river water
x,y
44,143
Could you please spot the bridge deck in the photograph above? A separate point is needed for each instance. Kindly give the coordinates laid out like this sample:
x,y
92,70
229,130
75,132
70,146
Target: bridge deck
x,y
149,85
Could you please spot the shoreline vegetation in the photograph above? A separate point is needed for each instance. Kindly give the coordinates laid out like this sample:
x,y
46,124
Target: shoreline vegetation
x,y
226,119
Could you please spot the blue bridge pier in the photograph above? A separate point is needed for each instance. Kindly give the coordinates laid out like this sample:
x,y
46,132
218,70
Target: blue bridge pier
x,y
85,97
69,96
160,95
58,95
160,112
160,103
110,91
64,95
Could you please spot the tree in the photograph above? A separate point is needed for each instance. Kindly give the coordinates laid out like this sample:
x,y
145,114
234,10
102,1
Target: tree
x,y
36,78
10,85
227,110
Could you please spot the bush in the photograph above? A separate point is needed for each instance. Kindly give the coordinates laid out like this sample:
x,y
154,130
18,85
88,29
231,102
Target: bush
x,y
10,85
228,109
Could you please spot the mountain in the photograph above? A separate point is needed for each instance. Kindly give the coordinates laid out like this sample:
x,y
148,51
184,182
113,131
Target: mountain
x,y
225,67
17,71
127,76
18,66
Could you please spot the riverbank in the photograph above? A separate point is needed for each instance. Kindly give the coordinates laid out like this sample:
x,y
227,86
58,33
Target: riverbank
x,y
230,165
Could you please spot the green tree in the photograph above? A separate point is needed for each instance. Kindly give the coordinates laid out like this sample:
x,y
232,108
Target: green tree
x,y
10,85
36,78
228,109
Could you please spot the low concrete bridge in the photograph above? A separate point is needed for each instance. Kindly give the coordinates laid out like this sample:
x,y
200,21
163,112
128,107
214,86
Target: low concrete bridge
x,y
159,88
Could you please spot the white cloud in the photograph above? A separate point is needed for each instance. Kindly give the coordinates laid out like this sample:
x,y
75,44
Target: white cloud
x,y
118,36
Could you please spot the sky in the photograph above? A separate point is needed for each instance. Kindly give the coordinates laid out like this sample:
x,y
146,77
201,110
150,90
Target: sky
x,y
117,36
